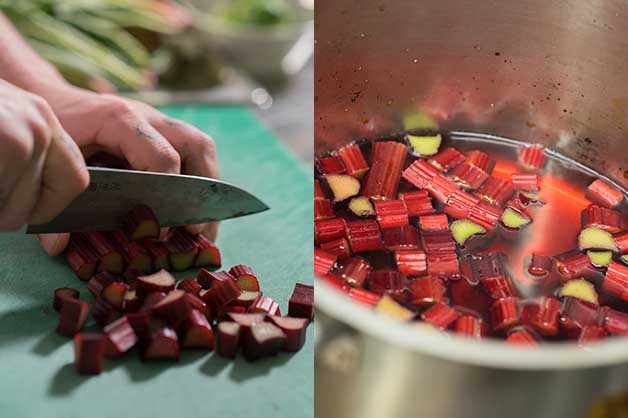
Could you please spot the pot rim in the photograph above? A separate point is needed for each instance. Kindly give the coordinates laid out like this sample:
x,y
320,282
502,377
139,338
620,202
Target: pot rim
x,y
485,353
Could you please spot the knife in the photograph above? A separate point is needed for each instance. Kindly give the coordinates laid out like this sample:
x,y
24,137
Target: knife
x,y
176,199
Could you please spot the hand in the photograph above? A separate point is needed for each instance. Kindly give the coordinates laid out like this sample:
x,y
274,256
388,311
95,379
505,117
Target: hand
x,y
132,130
41,168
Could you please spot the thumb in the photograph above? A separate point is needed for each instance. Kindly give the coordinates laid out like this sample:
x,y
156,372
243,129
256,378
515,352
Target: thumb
x,y
54,244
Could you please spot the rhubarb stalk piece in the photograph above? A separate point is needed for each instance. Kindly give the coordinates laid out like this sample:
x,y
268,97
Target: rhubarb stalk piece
x,y
577,313
581,289
134,254
354,271
99,281
190,285
615,322
81,256
222,291
532,157
444,265
543,315
265,305
158,253
463,229
481,160
596,239
182,250
485,215
441,188
342,186
460,203
590,334
151,300
364,296
339,247
391,213
505,313
324,210
62,293
115,294
141,223
420,174
496,191
228,339
364,235
616,281
401,238
411,263
434,223
265,339
438,242
72,316
424,145
514,219
353,160
324,261
573,264
331,164
600,259
326,230
119,337
526,181
440,316
245,278
162,281
246,321
387,160
246,299
359,205
522,337
174,308
604,194
207,253
195,331
161,343
89,352
104,313
382,281
301,304
540,265
294,329
468,176
207,278
417,203
109,257
471,326
426,291
447,159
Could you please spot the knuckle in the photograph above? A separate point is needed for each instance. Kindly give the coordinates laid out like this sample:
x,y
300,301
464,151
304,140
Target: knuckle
x,y
171,160
207,146
118,108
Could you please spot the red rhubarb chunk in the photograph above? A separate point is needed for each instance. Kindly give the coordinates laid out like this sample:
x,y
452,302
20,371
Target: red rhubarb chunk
x,y
331,164
604,194
573,264
100,281
323,209
532,157
318,191
265,305
438,242
595,216
417,203
354,271
420,173
505,313
246,320
540,265
460,203
526,181
621,241
110,259
161,343
119,337
339,247
387,160
61,294
81,256
363,296
426,291
391,213
207,253
141,223
162,281
295,330
134,254
104,313
265,339
471,326
443,265
432,223
522,337
329,229
115,294
468,176
543,315
496,191
470,296
196,332
246,299
616,322
411,263
207,278
324,261
301,304
190,285
89,351
174,308
447,159
221,293
353,160
441,188
481,160
485,215
577,313
182,249
228,339
246,279
440,315
364,235
590,333
616,280
72,316
158,253
381,281
401,238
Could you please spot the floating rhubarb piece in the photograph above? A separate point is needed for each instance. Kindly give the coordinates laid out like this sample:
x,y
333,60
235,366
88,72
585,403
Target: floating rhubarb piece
x,y
441,188
330,229
381,281
468,176
522,337
99,281
339,247
526,181
228,339
596,239
265,305
543,315
577,313
294,328
401,238
72,316
119,337
342,186
323,209
196,332
603,218
324,261
532,157
424,145
387,160
470,296
318,191
460,203
115,294
190,285
485,214
488,269
141,223
447,159
498,286
464,229
391,308
440,316
505,313
134,254
581,289
417,203
471,326
391,213
435,222
159,254
363,296
514,219
590,334
182,250
621,241
301,304
615,322
540,265
246,279
207,253
426,291
265,339
420,173
438,242
364,235
354,271
616,281
104,313
353,160
162,281
61,294
361,206
573,264
81,257
89,351
411,263
161,343
495,191
481,160
600,259
331,164
604,194
444,265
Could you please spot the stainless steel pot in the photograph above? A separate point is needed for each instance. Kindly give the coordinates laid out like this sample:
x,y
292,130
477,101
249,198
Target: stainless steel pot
x,y
544,71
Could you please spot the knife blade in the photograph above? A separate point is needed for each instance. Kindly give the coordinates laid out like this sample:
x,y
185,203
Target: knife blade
x,y
176,200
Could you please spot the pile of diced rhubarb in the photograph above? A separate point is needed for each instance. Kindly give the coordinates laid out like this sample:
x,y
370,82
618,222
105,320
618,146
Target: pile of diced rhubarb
x,y
406,226
138,302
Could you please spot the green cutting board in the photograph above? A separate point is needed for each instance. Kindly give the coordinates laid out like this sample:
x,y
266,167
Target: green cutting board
x,y
37,376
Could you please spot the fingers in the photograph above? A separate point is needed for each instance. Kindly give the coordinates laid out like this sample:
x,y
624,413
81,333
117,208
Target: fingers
x,y
53,244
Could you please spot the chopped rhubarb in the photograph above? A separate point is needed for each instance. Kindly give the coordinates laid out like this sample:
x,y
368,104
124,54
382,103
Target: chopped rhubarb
x,y
354,271
207,253
596,239
342,186
532,157
135,256
182,250
151,300
265,339
525,181
81,256
99,281
294,328
331,164
600,259
420,173
424,145
426,291
246,321
246,279
543,315
468,176
441,188
496,191
140,322
440,316
141,223
61,294
265,305
387,159
174,308
604,194
600,217
464,229
615,322
72,316
572,264
363,296
432,223
391,308
401,238
161,343
447,159
228,339
621,241
207,278
159,254
443,265
330,229
616,281
104,313
364,235
359,205
119,337
109,257
381,281
438,242
195,331
115,294
460,203
513,219
324,261
301,304
318,191
577,313
221,293
485,214
471,326
498,286
411,263
89,350
417,203
581,289
353,160
505,313
323,209
590,334
339,247
391,213
540,265
522,337
190,285
481,160
162,281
